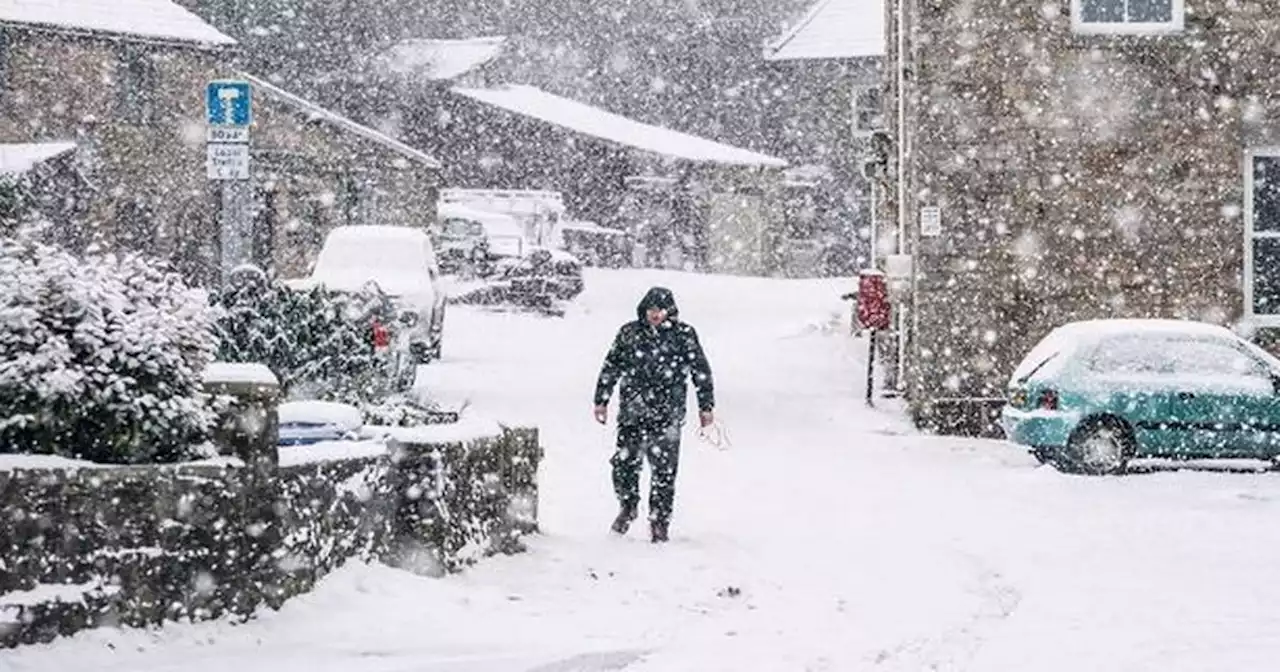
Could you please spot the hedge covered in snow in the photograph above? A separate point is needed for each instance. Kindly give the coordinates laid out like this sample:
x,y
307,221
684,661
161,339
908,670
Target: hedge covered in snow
x,y
100,357
318,343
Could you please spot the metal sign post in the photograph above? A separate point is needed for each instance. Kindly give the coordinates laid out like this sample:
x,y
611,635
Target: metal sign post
x,y
228,116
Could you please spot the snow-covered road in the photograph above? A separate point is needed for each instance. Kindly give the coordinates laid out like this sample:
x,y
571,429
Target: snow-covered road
x,y
828,537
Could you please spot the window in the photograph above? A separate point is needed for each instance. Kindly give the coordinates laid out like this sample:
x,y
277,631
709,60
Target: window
x,y
461,229
138,85
1262,242
136,229
6,45
1126,355
1134,17
868,115
1173,355
1210,358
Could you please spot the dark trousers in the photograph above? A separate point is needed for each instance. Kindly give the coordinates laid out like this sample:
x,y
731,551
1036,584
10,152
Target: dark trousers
x,y
661,446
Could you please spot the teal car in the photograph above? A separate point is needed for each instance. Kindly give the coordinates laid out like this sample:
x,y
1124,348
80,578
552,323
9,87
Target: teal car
x,y
1093,395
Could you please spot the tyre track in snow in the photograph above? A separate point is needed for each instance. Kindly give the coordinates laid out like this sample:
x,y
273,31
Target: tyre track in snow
x,y
953,649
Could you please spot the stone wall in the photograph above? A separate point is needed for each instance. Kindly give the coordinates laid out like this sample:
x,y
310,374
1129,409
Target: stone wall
x,y
85,547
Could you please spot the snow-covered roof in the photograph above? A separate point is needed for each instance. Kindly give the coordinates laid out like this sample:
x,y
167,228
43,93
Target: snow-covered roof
x,y
593,121
21,158
340,121
833,29
148,19
441,59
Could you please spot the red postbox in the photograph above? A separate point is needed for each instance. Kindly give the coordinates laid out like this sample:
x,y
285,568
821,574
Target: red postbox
x,y
873,300
873,316
381,336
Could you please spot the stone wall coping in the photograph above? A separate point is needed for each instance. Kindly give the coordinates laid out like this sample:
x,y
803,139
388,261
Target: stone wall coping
x,y
24,462
229,373
330,451
465,430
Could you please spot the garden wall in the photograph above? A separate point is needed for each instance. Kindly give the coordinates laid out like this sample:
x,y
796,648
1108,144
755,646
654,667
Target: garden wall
x,y
83,545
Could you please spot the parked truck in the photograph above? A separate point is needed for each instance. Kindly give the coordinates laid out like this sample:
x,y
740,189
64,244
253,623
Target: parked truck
x,y
539,212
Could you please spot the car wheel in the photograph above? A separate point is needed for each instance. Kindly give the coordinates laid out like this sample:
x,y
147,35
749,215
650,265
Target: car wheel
x,y
1099,447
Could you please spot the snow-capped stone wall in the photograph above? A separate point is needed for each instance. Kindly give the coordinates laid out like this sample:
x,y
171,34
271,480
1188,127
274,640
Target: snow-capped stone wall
x,y
87,545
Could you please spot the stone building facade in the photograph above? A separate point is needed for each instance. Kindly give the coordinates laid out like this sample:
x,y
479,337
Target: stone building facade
x,y
1088,158
828,63
134,106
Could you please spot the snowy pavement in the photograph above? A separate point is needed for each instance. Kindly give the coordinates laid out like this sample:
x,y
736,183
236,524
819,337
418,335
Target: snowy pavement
x,y
827,537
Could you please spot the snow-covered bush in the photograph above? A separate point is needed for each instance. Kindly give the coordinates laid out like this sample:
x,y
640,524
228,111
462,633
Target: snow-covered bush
x,y
100,357
310,338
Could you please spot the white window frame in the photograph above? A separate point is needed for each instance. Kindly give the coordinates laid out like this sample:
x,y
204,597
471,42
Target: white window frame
x,y
1250,235
1127,27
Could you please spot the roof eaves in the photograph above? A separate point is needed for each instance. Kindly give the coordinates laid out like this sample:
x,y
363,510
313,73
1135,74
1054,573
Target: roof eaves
x,y
45,152
199,45
726,155
341,122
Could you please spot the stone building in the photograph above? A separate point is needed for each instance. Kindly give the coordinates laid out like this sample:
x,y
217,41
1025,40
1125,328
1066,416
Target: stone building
x,y
1076,159
828,62
125,82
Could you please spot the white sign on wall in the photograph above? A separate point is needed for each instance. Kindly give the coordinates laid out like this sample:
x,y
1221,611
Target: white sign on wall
x,y
930,221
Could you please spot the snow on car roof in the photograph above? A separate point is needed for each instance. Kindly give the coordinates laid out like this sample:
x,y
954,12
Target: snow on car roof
x,y
1091,329
1073,335
394,257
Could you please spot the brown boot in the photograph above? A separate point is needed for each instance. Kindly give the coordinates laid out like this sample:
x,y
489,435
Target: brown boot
x,y
659,531
623,522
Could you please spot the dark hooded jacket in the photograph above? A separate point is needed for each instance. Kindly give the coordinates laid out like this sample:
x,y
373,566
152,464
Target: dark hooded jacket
x,y
652,366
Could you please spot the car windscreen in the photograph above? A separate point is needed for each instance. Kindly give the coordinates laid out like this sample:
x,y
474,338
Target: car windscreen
x,y
1047,350
1024,376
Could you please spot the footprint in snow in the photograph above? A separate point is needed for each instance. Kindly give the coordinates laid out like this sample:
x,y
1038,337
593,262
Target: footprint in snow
x,y
605,661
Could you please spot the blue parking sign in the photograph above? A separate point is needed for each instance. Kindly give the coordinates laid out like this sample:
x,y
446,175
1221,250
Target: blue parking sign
x,y
229,103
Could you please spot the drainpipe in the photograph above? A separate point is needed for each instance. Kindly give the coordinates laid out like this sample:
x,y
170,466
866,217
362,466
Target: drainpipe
x,y
872,262
903,218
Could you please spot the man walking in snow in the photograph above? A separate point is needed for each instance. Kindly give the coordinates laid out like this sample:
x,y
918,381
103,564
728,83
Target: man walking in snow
x,y
652,360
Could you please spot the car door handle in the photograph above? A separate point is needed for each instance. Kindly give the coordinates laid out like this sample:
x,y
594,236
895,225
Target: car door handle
x,y
1186,395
